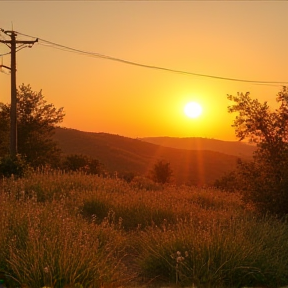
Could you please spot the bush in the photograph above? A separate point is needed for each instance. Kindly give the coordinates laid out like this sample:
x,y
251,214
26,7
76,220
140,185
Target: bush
x,y
227,182
143,183
95,209
161,172
127,176
12,166
265,186
84,164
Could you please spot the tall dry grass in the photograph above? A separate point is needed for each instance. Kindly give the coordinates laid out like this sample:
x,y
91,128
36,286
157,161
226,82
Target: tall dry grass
x,y
73,229
48,243
246,252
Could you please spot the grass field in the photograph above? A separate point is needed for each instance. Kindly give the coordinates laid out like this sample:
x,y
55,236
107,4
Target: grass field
x,y
75,230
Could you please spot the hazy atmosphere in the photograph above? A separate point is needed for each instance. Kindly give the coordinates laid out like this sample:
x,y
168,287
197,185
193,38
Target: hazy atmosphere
x,y
119,163
244,40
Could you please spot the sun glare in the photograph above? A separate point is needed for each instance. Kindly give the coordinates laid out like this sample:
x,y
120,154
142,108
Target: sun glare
x,y
193,109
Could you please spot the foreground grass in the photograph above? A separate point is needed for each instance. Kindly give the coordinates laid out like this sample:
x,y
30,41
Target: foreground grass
x,y
62,230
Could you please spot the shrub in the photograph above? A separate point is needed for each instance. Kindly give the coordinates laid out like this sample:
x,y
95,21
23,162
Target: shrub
x,y
127,176
95,209
83,163
161,172
265,186
12,166
227,182
144,183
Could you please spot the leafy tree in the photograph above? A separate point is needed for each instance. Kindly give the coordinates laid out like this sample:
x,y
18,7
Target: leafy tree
x,y
36,120
264,181
161,172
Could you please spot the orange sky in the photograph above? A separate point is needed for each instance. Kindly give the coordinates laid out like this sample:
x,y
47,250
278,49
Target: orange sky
x,y
236,39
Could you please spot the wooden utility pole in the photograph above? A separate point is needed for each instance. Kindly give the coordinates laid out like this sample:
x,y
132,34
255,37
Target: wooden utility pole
x,y
12,44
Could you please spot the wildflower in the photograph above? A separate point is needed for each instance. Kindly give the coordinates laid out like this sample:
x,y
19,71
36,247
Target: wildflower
x,y
179,259
46,270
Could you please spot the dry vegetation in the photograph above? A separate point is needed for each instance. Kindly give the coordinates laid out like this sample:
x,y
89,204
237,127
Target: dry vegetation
x,y
75,230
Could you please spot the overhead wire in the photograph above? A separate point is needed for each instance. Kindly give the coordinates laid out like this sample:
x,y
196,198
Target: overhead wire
x,y
3,37
5,54
103,56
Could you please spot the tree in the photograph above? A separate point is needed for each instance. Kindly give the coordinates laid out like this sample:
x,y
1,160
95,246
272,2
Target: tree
x,y
264,180
161,172
36,120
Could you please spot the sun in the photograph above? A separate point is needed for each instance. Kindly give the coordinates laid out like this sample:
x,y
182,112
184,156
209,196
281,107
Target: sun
x,y
193,109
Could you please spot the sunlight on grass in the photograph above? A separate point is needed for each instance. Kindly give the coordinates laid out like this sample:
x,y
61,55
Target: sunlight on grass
x,y
86,231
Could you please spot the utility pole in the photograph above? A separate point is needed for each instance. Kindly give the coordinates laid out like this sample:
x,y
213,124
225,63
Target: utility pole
x,y
12,44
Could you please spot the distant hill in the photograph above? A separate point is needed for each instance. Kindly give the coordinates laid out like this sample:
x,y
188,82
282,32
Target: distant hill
x,y
125,154
237,148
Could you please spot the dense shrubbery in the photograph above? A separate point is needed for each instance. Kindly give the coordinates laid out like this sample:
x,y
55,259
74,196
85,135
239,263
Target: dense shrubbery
x,y
83,163
265,185
15,166
228,182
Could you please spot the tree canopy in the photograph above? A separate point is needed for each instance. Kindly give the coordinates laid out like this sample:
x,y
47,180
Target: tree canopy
x,y
36,121
264,181
257,122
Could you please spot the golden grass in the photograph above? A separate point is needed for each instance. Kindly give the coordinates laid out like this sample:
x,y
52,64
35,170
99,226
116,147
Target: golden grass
x,y
73,229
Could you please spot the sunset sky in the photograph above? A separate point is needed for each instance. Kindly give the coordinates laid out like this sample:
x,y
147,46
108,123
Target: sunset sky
x,y
236,39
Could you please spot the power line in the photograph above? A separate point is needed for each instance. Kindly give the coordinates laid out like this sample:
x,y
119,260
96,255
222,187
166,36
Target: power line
x,y
98,55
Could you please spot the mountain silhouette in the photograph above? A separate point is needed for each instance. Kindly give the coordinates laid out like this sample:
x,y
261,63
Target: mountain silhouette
x,y
124,154
235,148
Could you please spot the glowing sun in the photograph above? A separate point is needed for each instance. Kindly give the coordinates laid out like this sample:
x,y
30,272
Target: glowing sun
x,y
193,109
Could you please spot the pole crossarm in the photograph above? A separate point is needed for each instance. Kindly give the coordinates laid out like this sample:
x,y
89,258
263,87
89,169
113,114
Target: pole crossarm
x,y
14,41
19,42
5,67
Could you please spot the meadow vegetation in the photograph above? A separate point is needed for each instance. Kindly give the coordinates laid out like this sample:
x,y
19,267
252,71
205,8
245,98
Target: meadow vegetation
x,y
76,230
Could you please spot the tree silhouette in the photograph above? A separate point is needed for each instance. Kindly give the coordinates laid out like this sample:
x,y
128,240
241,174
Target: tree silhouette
x,y
264,181
36,120
161,172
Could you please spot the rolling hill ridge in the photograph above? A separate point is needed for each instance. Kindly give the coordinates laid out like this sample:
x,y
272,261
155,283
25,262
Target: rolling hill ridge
x,y
123,154
235,148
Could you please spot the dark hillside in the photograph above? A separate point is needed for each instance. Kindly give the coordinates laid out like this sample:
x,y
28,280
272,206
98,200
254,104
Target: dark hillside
x,y
235,148
122,154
